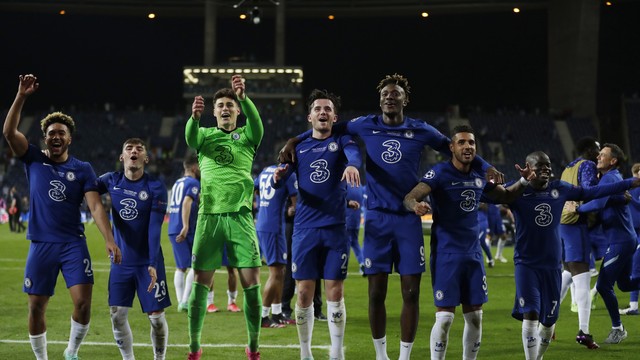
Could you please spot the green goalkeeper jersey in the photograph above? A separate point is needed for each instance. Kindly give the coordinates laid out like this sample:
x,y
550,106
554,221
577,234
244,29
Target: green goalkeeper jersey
x,y
226,159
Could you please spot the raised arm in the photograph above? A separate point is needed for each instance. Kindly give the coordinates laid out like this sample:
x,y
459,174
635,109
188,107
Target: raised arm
x,y
287,154
255,129
191,130
17,141
500,194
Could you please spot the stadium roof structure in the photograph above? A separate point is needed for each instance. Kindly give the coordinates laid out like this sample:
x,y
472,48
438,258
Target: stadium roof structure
x,y
294,8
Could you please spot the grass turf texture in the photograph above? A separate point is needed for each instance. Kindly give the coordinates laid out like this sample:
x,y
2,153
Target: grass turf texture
x,y
224,335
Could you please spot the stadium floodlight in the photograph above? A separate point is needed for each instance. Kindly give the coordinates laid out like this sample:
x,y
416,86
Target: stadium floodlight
x,y
255,15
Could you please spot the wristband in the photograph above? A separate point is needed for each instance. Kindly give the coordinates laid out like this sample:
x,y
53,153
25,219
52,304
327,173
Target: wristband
x,y
524,181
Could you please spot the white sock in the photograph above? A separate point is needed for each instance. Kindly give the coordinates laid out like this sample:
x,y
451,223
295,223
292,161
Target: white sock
x,y
122,331
530,338
566,283
633,305
39,345
440,334
178,283
265,311
159,335
572,289
337,320
210,297
500,247
76,335
405,350
276,309
381,348
231,297
472,334
545,333
304,324
188,284
583,299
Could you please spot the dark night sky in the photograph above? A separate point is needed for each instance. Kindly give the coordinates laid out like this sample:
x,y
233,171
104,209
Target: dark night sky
x,y
483,59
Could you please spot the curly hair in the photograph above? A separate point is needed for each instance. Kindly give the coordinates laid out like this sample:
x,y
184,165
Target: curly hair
x,y
396,79
324,94
57,117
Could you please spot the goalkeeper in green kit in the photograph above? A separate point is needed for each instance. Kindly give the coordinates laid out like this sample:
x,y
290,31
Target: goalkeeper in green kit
x,y
225,155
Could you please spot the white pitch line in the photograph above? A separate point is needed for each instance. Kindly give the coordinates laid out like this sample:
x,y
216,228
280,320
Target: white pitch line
x,y
96,343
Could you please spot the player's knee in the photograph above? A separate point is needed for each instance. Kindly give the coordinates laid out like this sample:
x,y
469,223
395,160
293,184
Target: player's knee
x,y
411,294
37,309
118,316
377,296
83,306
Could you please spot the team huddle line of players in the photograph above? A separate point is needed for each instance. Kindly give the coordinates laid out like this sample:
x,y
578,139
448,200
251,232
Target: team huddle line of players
x,y
551,218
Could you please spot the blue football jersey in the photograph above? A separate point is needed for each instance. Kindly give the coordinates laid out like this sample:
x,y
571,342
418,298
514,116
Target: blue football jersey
x,y
634,207
354,216
321,193
56,191
454,201
272,202
137,209
186,186
537,214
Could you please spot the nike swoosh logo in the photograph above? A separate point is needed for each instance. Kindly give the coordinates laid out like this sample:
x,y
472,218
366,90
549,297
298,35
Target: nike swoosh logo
x,y
45,164
116,188
376,131
161,299
422,263
456,182
303,151
527,194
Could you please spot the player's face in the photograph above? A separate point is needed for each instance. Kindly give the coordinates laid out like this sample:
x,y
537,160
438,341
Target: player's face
x,y
392,99
606,162
57,138
321,116
541,165
592,153
134,156
226,111
463,147
196,172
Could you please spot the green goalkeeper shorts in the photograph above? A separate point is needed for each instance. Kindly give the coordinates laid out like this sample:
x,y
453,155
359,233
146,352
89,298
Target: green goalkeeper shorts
x,y
236,231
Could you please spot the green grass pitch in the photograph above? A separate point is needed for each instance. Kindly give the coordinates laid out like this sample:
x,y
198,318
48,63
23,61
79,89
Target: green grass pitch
x,y
224,335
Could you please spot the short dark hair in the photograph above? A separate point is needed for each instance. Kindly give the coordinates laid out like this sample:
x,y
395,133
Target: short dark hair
x,y
396,79
585,144
635,168
190,160
58,117
533,157
225,92
134,141
616,153
324,94
462,128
